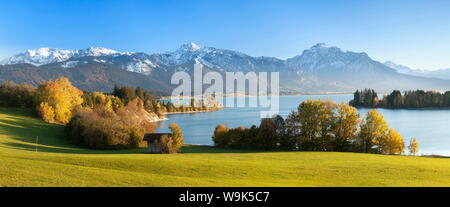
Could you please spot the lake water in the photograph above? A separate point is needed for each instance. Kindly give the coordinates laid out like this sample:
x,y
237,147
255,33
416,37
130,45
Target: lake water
x,y
430,127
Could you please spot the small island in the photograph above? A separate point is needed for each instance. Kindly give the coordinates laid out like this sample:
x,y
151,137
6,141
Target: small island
x,y
418,99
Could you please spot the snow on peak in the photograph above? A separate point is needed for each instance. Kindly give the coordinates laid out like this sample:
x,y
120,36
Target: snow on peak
x,y
96,51
400,68
192,47
40,56
45,55
324,47
320,45
324,57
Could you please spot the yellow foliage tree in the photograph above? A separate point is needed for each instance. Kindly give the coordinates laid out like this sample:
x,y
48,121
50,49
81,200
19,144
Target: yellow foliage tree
x,y
373,129
313,120
413,146
47,113
346,125
392,143
60,96
177,137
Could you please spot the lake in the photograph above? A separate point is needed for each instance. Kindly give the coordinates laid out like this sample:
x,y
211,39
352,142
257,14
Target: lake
x,y
430,127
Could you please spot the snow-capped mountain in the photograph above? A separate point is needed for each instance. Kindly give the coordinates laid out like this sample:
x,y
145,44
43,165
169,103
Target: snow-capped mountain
x,y
220,59
322,57
399,67
321,68
442,73
43,56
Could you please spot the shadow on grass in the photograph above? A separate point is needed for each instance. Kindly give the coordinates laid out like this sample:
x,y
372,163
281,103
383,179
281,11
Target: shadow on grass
x,y
39,148
58,149
24,127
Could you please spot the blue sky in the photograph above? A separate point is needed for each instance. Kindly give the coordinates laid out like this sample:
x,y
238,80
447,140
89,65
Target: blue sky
x,y
411,32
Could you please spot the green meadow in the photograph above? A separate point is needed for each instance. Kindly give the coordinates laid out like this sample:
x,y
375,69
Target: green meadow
x,y
58,163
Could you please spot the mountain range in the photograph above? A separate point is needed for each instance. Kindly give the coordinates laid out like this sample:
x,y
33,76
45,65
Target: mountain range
x,y
442,73
319,69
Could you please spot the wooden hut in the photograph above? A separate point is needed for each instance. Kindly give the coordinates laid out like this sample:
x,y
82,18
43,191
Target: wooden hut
x,y
154,140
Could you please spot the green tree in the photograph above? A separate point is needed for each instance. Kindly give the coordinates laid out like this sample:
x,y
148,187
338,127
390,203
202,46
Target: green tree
x,y
365,98
111,102
311,125
219,136
16,95
410,99
267,135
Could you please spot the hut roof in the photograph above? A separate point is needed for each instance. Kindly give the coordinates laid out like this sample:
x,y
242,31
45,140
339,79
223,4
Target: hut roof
x,y
152,137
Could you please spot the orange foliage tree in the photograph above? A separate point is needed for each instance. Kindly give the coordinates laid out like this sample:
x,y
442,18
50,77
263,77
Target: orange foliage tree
x,y
55,100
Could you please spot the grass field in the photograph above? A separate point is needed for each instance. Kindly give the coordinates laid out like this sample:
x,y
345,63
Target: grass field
x,y
58,163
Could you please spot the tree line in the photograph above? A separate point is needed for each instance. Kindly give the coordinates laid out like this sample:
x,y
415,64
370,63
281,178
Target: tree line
x,y
397,100
318,125
16,95
152,104
93,119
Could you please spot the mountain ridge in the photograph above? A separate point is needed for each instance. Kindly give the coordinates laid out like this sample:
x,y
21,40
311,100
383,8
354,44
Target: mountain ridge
x,y
321,68
440,73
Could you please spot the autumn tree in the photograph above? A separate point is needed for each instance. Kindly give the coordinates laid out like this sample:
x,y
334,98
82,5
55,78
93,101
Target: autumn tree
x,y
16,95
413,146
372,130
323,125
102,128
166,144
326,118
345,127
392,143
316,125
219,136
55,100
177,137
47,112
316,119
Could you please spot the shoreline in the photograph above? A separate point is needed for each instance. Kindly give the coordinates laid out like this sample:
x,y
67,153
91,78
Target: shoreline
x,y
186,112
408,109
243,95
159,119
430,155
189,112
